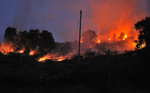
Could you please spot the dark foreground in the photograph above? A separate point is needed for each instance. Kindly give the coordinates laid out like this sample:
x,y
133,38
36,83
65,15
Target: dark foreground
x,y
126,73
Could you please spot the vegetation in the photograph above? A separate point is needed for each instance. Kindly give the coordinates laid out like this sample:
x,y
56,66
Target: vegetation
x,y
143,27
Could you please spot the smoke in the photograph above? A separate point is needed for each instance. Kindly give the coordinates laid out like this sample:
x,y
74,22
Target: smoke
x,y
109,14
61,17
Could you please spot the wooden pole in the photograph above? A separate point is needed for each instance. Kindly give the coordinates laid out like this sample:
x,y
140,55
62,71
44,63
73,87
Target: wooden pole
x,y
80,34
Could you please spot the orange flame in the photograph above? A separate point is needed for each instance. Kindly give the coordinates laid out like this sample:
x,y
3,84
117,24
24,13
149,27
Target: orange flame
x,y
32,52
6,48
52,57
81,41
143,45
44,58
109,39
61,58
98,41
21,51
125,36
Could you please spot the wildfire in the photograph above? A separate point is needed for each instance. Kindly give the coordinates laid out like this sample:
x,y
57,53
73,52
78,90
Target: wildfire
x,y
6,48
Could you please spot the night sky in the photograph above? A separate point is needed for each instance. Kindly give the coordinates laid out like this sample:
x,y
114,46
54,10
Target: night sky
x,y
61,17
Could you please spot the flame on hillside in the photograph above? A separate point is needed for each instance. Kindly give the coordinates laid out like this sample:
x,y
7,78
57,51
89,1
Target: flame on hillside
x,y
6,48
52,57
21,51
32,52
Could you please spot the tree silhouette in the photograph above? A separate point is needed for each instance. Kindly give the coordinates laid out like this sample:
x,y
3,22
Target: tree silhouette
x,y
46,41
10,34
21,40
143,27
33,37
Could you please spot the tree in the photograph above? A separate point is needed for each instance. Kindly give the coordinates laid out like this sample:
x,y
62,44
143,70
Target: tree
x,y
46,41
10,34
33,38
143,27
21,40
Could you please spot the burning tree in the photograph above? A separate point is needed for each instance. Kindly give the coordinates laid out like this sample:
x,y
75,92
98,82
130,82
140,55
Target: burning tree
x,y
143,27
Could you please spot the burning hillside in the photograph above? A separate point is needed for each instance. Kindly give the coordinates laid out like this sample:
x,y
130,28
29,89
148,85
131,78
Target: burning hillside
x,y
42,44
33,43
113,22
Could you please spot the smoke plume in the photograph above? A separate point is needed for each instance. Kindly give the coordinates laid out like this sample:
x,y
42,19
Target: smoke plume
x,y
61,17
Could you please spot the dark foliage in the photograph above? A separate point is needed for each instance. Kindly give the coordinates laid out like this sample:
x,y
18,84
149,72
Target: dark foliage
x,y
10,34
46,41
143,27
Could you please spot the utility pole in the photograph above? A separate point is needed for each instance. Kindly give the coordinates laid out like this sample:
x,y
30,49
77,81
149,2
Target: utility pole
x,y
80,34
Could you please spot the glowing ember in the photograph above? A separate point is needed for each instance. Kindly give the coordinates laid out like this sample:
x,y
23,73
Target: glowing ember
x,y
61,58
134,44
21,51
125,36
12,50
98,41
109,39
81,41
143,45
44,58
32,52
